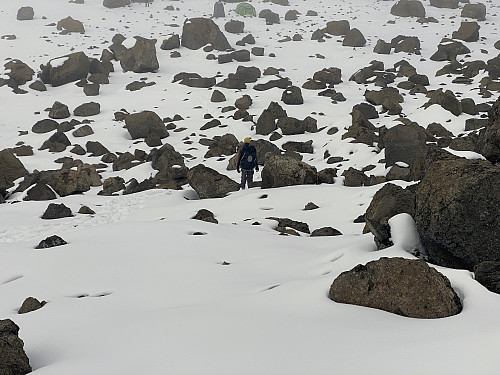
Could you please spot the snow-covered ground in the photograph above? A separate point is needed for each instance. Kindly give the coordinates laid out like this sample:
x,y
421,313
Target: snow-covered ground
x,y
136,291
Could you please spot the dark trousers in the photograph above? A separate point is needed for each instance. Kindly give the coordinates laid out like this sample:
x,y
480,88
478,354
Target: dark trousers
x,y
246,178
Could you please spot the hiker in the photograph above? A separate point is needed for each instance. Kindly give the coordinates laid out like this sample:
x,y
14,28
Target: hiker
x,y
247,161
147,2
219,9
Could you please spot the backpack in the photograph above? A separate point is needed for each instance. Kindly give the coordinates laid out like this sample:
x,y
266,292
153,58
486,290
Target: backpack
x,y
248,157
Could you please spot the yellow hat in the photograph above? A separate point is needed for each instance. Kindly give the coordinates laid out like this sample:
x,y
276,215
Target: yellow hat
x,y
247,140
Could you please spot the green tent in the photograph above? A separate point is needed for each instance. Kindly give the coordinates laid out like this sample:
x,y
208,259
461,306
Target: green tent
x,y
245,9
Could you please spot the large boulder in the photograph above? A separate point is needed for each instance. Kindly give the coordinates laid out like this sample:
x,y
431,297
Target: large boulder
x,y
141,58
445,99
13,359
208,183
282,171
266,122
70,25
144,123
468,32
488,274
68,181
408,8
30,304
87,109
457,212
115,3
389,201
25,14
291,126
40,192
489,140
476,11
448,50
424,160
337,28
400,286
18,72
292,96
403,143
354,38
389,98
11,169
62,70
451,4
198,32
58,111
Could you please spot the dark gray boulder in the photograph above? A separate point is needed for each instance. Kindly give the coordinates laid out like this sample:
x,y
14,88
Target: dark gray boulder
x,y
11,168
172,172
44,126
198,32
325,232
291,126
488,274
68,181
445,99
87,109
57,142
281,171
408,8
208,183
141,58
489,139
66,69
18,72
400,286
266,122
234,26
51,241
25,14
387,202
457,212
354,38
59,111
142,124
40,192
476,11
292,96
205,215
112,185
388,97
56,211
337,28
69,25
403,143
301,147
172,42
115,3
448,50
451,4
468,32
13,359
30,304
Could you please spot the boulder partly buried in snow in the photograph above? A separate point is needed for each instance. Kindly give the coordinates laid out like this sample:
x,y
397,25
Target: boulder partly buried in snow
x,y
208,183
198,32
400,286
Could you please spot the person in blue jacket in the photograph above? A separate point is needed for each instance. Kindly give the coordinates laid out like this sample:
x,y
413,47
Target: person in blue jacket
x,y
247,162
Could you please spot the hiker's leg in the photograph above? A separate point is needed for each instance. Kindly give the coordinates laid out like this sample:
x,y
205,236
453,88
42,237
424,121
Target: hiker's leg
x,y
250,178
243,179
